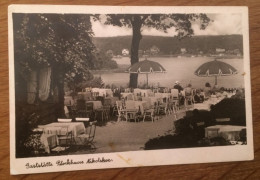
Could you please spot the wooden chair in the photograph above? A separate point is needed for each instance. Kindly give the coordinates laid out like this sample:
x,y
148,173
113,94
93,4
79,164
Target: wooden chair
x,y
130,111
103,112
81,108
107,107
65,137
120,112
87,138
149,113
52,144
163,108
89,109
172,108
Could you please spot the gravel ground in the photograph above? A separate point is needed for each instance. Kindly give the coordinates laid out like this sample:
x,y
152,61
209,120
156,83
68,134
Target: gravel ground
x,y
130,136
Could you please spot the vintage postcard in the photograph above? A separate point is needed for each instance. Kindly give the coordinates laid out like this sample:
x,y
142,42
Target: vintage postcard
x,y
95,87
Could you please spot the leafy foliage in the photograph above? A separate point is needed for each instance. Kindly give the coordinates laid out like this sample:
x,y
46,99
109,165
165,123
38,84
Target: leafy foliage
x,y
96,82
60,41
181,22
233,108
104,61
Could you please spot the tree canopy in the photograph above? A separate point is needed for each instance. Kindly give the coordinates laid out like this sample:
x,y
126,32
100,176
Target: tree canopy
x,y
181,22
58,40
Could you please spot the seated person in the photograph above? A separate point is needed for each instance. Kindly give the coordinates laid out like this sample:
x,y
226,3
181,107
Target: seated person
x,y
199,97
188,90
178,86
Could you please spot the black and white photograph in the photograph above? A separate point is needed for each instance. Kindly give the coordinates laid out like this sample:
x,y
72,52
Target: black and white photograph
x,y
102,87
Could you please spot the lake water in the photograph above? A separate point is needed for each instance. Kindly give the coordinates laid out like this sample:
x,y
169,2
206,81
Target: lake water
x,y
178,69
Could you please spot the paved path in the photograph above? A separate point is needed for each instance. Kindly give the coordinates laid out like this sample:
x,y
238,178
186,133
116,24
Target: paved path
x,y
131,136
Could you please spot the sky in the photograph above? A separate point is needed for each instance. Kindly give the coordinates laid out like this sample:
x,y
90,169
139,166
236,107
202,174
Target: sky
x,y
223,24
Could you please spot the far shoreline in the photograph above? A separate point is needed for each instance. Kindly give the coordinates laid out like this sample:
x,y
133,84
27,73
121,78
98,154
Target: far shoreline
x,y
123,67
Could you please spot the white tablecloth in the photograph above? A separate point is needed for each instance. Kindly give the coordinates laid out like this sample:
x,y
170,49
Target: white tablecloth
x,y
137,91
49,141
228,132
202,106
60,128
103,92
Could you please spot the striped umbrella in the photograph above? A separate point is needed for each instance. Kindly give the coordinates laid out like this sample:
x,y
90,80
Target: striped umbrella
x,y
215,68
146,67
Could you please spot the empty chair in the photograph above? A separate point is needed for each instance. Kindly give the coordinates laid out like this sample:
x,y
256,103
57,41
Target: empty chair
x,y
148,100
120,112
81,108
88,136
130,110
150,112
164,108
65,137
51,144
103,112
89,109
130,105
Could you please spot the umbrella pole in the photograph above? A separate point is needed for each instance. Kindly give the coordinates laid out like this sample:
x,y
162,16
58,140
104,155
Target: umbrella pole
x,y
216,80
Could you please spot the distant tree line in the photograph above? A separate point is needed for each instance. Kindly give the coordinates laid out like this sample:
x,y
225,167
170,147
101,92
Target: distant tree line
x,y
172,45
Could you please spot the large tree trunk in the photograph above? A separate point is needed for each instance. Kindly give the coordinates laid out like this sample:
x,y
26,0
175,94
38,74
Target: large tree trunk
x,y
60,85
136,25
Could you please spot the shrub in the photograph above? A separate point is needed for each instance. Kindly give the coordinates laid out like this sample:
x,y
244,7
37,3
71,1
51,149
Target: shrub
x,y
233,108
171,141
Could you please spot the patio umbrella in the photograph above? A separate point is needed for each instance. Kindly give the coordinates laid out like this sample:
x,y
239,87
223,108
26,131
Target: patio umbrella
x,y
146,67
215,68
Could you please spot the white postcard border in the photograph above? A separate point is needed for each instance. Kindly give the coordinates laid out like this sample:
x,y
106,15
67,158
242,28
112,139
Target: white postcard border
x,y
131,158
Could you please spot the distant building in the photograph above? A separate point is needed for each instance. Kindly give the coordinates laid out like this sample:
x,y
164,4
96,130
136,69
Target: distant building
x,y
154,50
147,52
219,50
237,52
125,52
183,50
